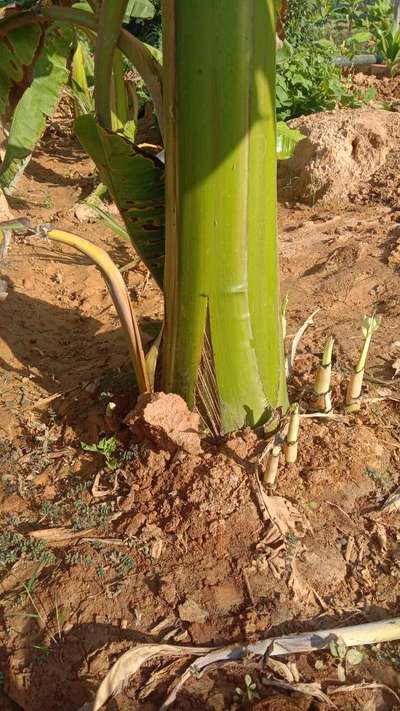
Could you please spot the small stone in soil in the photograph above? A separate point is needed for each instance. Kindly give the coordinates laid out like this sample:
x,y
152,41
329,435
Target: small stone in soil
x,y
190,611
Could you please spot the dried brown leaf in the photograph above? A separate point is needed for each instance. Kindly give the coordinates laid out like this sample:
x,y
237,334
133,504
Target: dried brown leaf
x,y
158,677
381,536
350,688
392,504
3,290
282,670
394,256
18,575
130,662
396,367
296,340
99,492
297,583
285,517
313,689
60,536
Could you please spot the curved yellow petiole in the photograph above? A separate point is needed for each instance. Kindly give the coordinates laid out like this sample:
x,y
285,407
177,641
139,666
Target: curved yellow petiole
x,y
119,295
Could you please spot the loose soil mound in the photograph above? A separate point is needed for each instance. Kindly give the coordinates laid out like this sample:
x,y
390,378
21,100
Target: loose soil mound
x,y
341,151
192,555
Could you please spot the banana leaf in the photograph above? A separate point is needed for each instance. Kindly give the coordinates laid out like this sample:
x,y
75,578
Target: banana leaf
x,y
135,180
37,103
17,52
108,220
286,140
142,9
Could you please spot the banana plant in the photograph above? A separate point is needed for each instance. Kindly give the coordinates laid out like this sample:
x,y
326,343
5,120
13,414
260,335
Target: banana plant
x,y
28,47
216,260
221,267
388,46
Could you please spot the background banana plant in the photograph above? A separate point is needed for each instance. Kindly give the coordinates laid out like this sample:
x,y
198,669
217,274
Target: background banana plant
x,y
36,63
37,103
205,223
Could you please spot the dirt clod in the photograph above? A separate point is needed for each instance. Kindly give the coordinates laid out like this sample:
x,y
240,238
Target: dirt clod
x,y
166,422
190,611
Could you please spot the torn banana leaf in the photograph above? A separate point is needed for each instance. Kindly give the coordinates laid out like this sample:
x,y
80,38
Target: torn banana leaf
x,y
37,103
135,180
17,52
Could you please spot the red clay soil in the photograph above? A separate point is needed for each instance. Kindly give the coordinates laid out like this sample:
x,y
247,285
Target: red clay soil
x,y
175,545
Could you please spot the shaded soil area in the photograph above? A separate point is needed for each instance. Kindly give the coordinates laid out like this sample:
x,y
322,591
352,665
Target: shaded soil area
x,y
99,551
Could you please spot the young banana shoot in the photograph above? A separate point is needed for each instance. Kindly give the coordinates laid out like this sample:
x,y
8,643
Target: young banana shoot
x,y
321,400
353,395
292,440
271,470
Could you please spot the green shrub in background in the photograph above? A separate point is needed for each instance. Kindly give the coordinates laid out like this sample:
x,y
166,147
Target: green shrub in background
x,y
317,33
300,26
308,81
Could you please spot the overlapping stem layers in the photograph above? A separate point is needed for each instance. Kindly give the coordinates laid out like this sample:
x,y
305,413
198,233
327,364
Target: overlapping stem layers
x,y
221,243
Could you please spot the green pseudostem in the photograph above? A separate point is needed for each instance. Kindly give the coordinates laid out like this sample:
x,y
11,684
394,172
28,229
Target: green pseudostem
x,y
221,267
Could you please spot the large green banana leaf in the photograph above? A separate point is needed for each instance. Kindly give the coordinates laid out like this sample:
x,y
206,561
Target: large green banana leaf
x,y
38,102
135,180
17,52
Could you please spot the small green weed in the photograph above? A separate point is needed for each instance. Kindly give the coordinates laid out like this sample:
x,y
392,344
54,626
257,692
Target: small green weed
x,y
44,653
386,657
50,512
249,693
110,448
103,558
91,516
291,538
14,546
196,672
76,558
80,488
122,562
374,474
345,657
381,478
112,451
48,202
